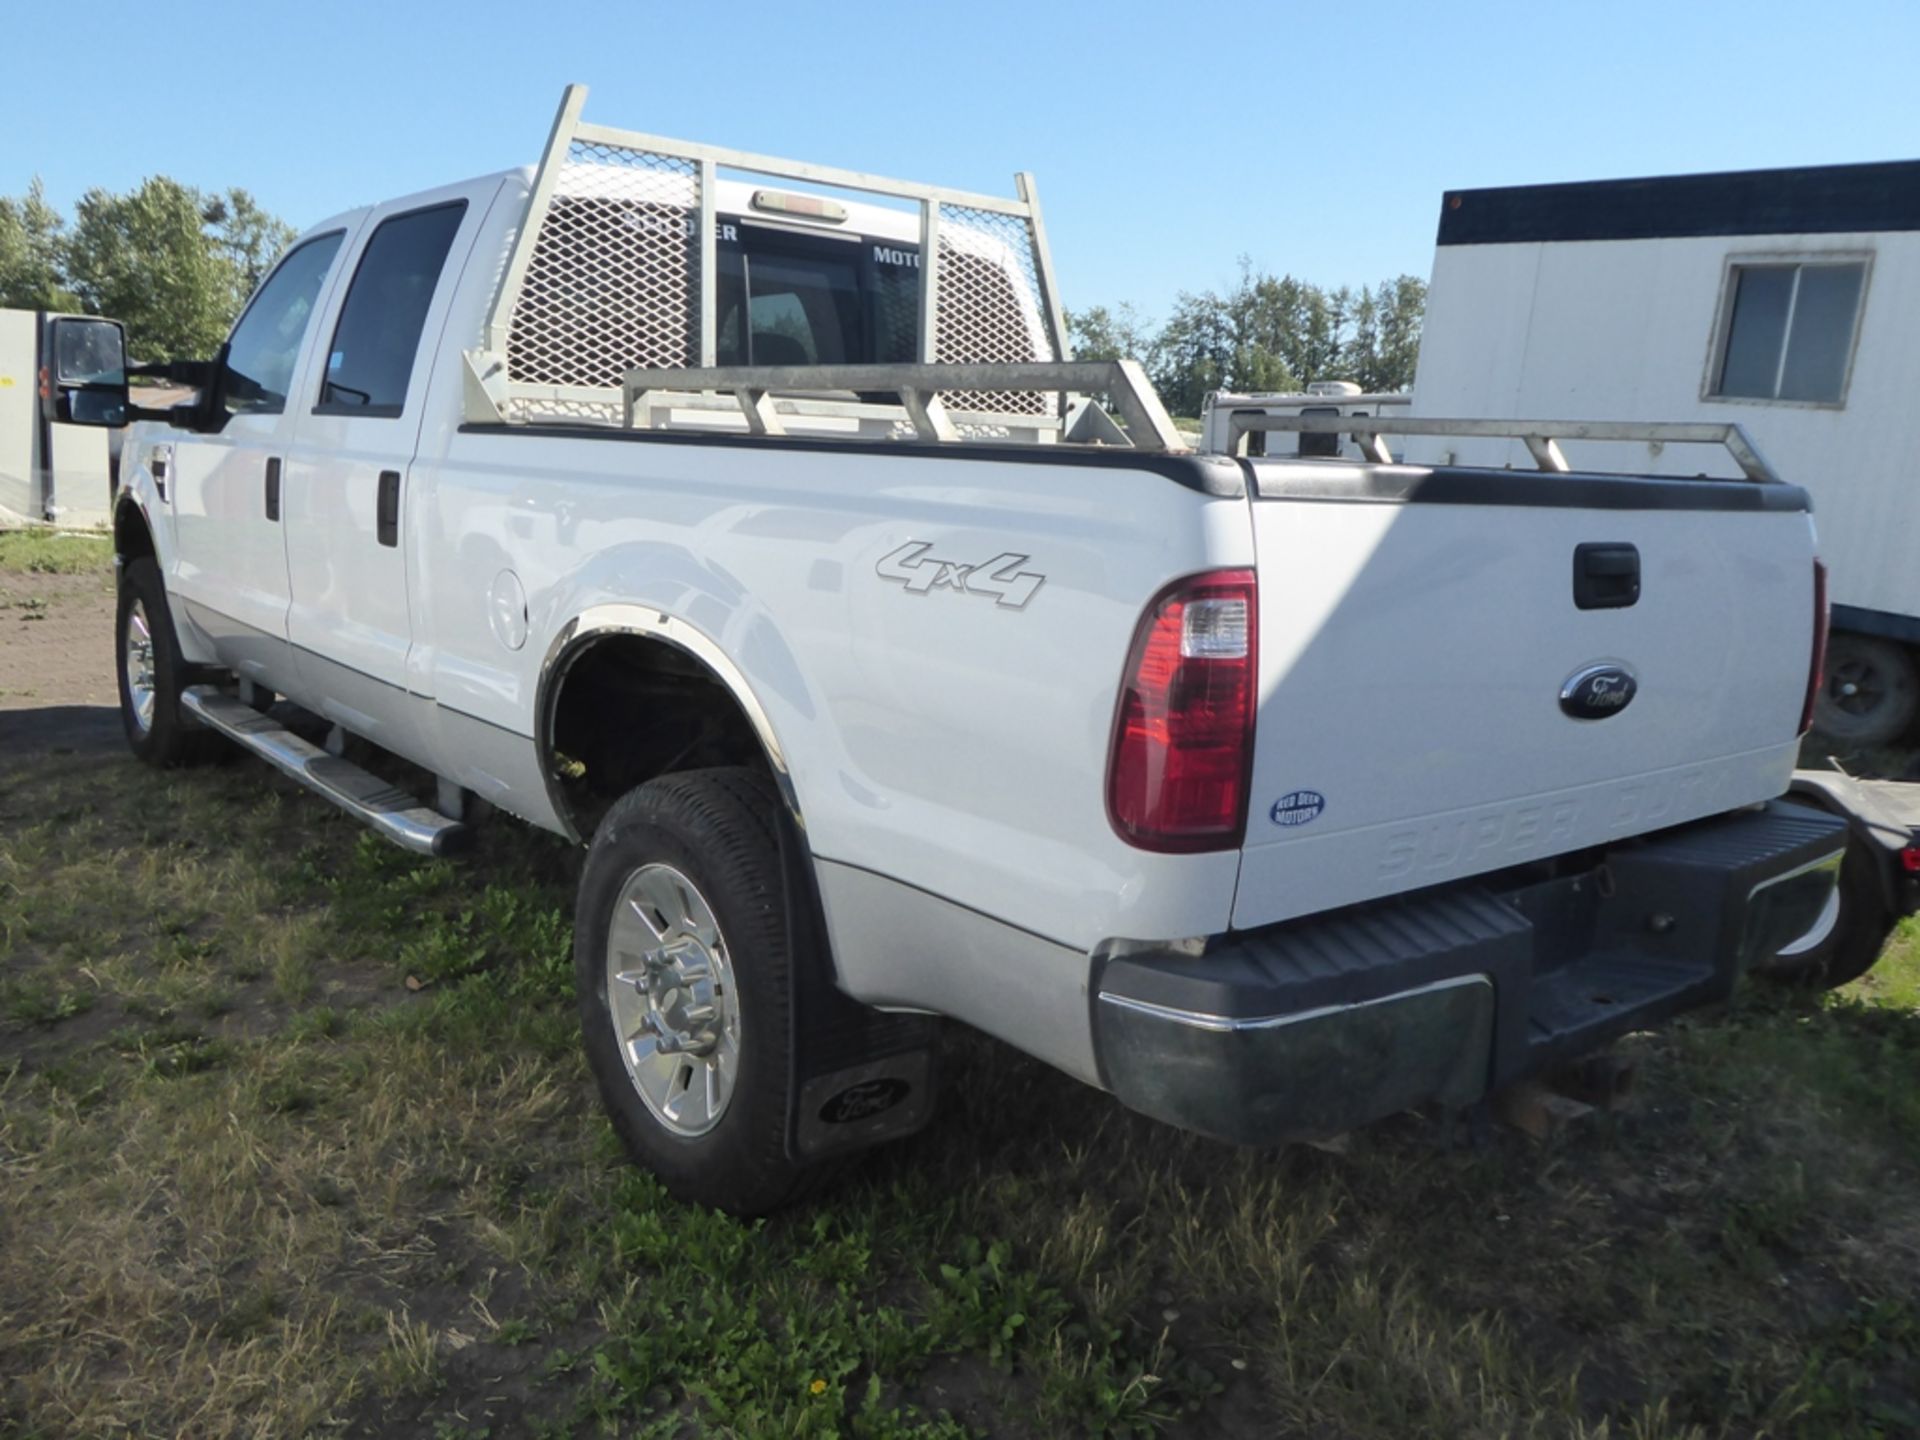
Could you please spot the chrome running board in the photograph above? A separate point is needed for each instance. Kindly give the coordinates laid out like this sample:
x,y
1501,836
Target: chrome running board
x,y
381,807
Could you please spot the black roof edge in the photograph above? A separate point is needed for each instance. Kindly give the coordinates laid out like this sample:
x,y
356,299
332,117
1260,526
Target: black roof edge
x,y
1806,200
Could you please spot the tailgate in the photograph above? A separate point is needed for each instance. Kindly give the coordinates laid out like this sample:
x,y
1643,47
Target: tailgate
x,y
1417,633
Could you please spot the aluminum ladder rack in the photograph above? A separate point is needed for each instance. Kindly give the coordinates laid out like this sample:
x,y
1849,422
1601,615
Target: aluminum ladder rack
x,y
1541,437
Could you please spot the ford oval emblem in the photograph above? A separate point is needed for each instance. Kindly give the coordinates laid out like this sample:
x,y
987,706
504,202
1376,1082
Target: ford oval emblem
x,y
1598,691
865,1100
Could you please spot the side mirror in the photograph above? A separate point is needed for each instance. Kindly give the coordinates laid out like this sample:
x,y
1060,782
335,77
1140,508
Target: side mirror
x,y
202,375
84,377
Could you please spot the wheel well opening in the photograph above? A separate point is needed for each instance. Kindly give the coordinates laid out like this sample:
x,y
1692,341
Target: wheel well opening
x,y
630,708
131,539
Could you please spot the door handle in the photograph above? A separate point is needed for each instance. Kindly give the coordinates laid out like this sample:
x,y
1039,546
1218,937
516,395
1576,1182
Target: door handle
x,y
387,510
273,488
1605,577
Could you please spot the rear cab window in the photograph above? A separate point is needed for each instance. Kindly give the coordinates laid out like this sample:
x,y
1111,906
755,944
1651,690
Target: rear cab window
x,y
792,298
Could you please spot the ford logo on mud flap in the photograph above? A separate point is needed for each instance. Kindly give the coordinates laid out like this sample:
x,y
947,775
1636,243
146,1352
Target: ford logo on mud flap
x,y
1598,691
865,1100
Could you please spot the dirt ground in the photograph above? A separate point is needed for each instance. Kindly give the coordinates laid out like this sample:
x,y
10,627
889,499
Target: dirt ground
x,y
57,684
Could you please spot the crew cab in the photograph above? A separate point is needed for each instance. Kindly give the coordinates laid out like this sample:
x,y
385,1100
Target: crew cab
x,y
763,540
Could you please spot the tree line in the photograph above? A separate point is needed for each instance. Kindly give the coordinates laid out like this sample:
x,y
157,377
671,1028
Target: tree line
x,y
174,263
1265,333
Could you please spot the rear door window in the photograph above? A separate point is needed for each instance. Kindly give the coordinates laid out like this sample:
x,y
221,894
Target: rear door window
x,y
377,338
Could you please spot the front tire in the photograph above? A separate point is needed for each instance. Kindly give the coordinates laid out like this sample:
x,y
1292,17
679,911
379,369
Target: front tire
x,y
685,971
153,673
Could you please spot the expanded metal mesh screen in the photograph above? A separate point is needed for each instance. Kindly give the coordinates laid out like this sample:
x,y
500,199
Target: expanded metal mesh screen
x,y
613,284
614,281
990,309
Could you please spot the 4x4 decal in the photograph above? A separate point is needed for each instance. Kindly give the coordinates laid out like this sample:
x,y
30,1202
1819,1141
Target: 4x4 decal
x,y
922,573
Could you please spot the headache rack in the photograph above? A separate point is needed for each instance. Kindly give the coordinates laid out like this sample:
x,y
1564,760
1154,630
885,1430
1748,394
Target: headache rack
x,y
608,311
1541,437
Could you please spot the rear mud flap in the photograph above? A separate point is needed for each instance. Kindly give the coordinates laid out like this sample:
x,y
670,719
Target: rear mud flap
x,y
860,1076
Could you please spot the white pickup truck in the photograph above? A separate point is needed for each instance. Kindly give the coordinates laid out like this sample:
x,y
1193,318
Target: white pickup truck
x,y
763,540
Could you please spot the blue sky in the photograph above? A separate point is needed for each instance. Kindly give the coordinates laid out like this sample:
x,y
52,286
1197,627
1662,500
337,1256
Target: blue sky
x,y
1167,139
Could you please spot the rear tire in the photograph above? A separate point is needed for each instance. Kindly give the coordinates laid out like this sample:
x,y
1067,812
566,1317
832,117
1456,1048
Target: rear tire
x,y
685,972
1869,693
1860,929
153,673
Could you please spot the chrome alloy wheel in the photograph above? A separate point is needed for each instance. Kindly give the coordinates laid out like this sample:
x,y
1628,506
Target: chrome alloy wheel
x,y
139,664
670,992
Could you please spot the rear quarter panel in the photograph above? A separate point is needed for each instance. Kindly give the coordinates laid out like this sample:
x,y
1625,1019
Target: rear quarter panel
x,y
941,738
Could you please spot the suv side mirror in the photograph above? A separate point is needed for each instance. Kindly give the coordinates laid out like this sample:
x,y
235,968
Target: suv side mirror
x,y
83,380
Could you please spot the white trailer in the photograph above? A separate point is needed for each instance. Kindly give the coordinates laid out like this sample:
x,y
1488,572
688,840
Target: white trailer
x,y
56,465
1780,300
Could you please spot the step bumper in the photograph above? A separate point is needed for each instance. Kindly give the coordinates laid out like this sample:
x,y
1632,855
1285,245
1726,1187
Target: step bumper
x,y
1318,1026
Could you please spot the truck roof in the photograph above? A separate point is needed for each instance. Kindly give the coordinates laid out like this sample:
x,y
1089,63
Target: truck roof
x,y
732,197
345,218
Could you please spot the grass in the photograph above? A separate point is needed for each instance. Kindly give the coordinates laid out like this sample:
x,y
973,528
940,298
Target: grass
x,y
253,1184
55,552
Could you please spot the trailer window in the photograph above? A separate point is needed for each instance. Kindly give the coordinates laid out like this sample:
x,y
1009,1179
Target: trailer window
x,y
1788,331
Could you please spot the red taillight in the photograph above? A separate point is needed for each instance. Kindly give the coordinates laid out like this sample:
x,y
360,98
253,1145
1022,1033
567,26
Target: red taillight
x,y
1182,744
1818,672
1910,859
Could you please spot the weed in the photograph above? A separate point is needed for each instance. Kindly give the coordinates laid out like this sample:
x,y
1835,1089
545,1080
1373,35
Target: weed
x,y
409,1362
41,1000
984,1304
